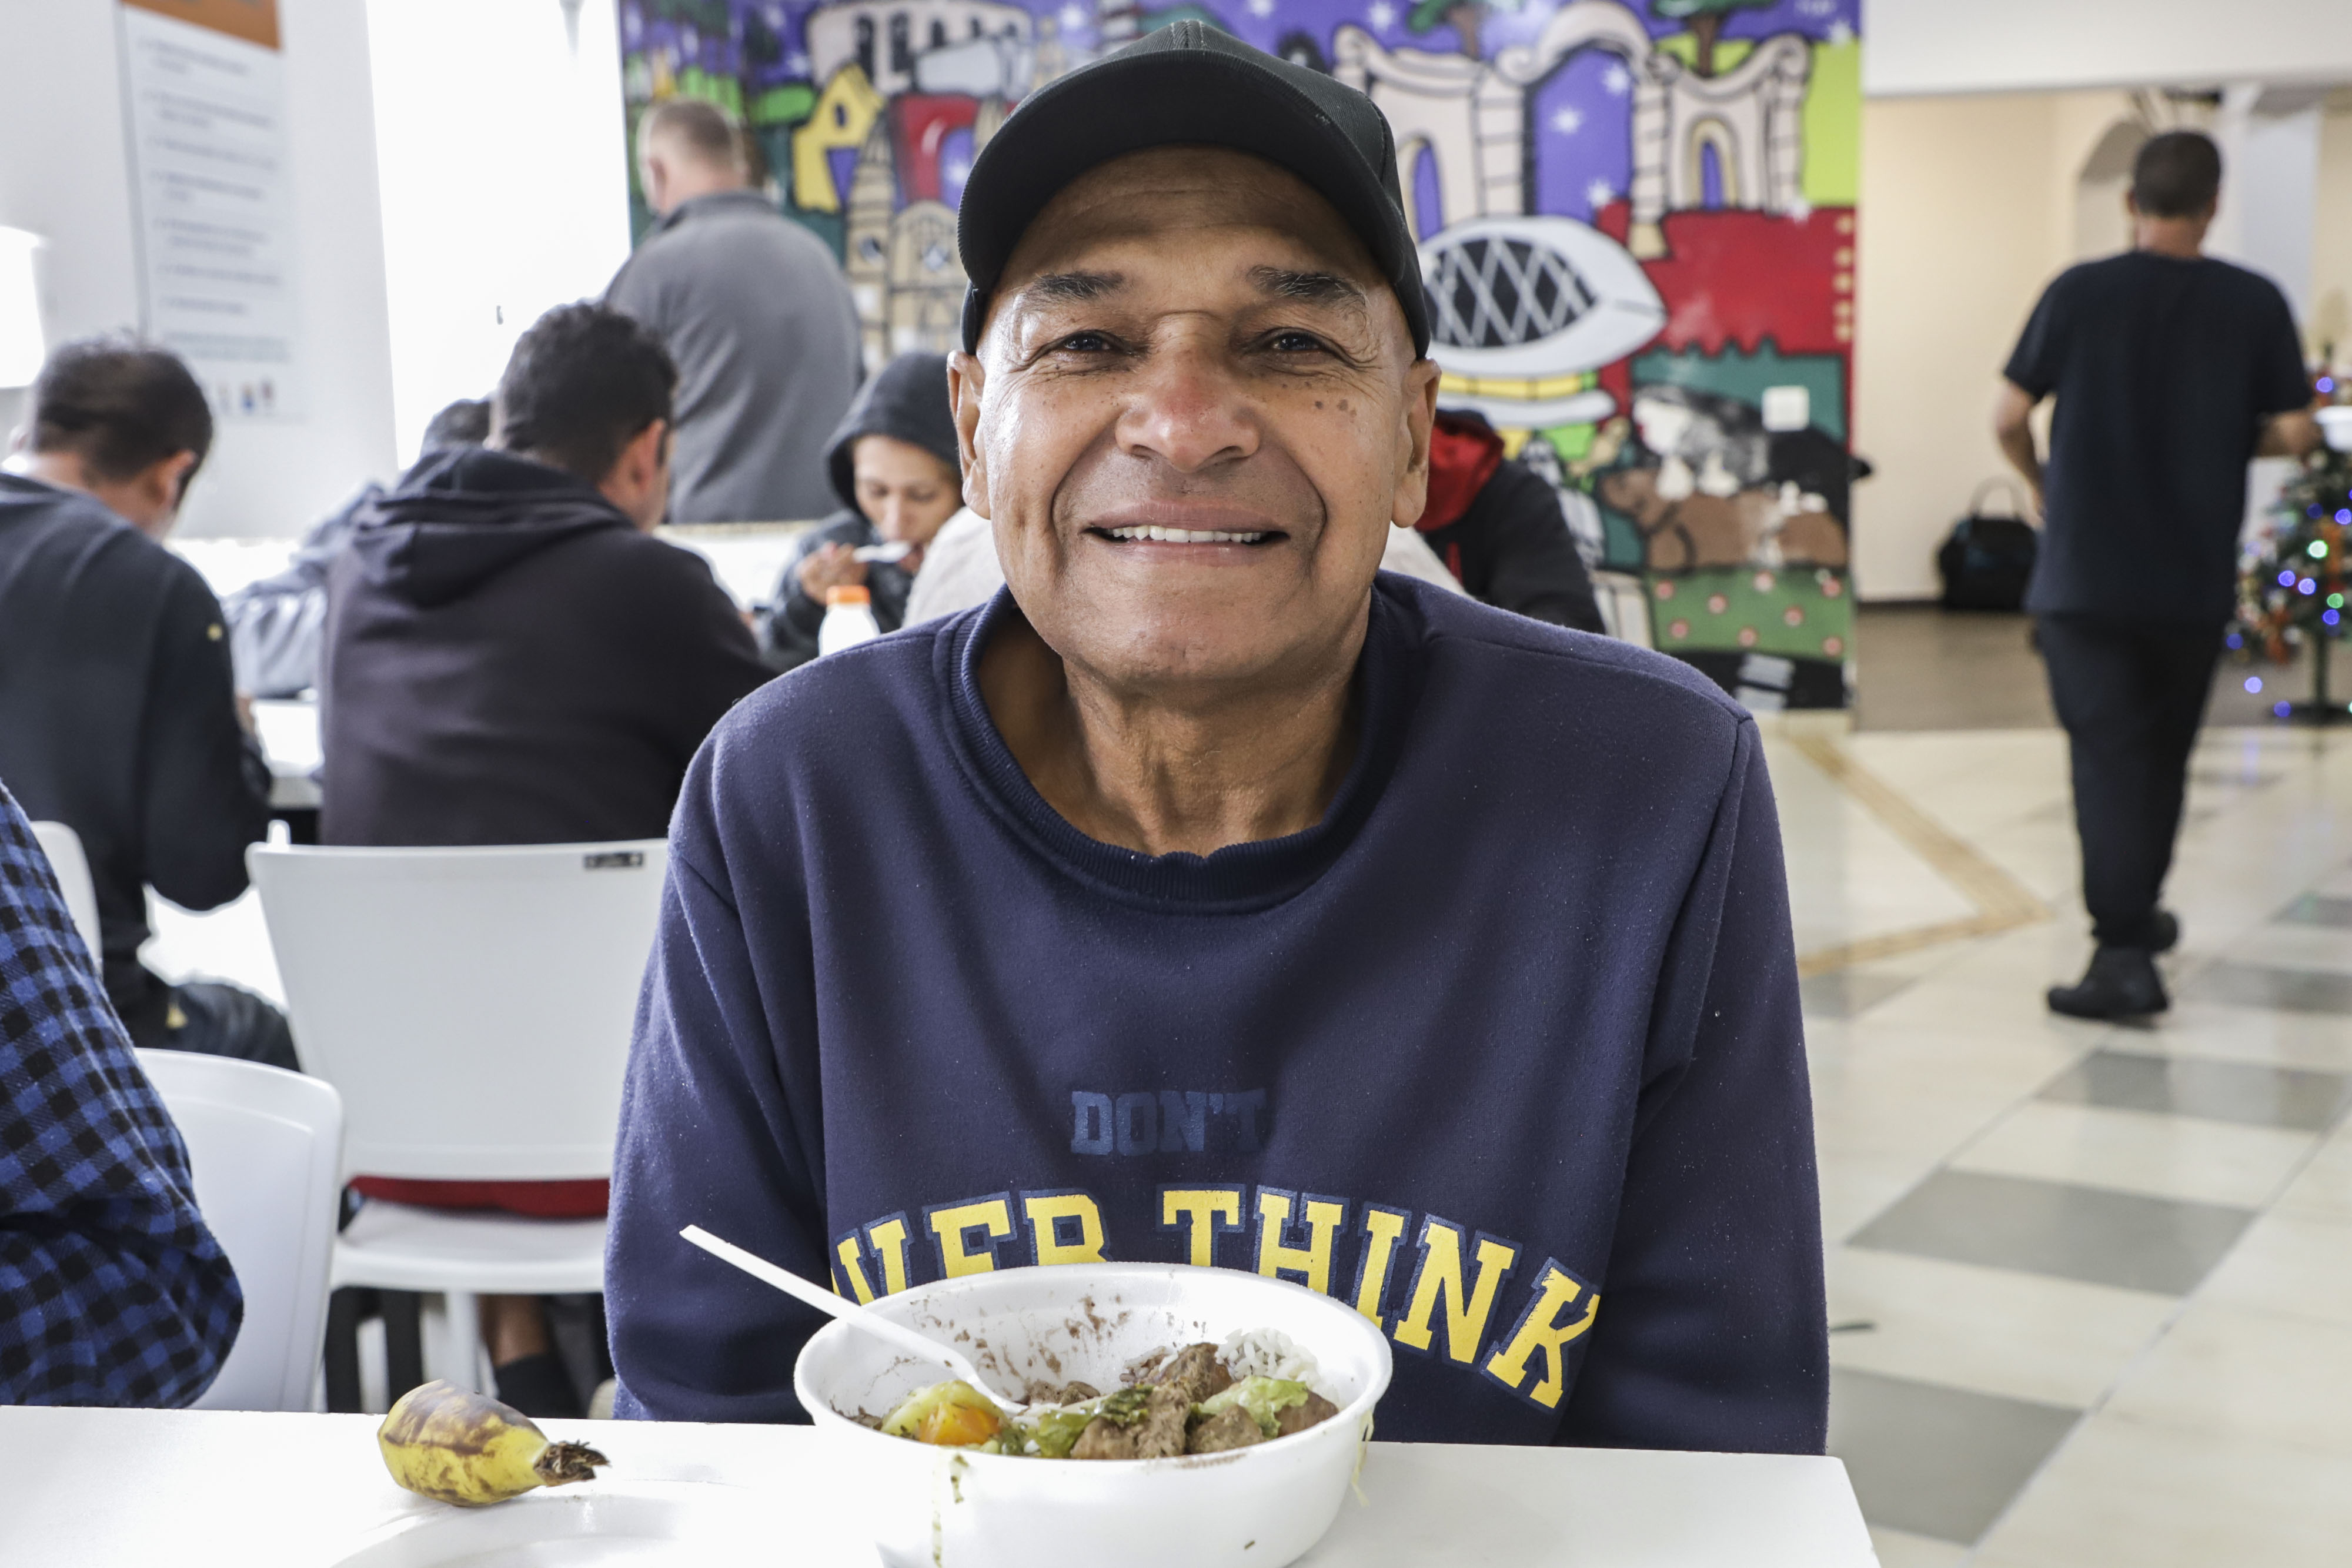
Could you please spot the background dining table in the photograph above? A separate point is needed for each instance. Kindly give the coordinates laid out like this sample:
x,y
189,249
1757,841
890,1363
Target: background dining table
x,y
95,1488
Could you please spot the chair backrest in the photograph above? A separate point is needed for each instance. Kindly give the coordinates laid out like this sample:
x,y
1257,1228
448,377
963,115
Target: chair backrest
x,y
63,846
267,1148
473,1005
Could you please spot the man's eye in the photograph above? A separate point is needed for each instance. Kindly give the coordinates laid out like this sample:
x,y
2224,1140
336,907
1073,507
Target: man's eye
x,y
1084,343
1296,343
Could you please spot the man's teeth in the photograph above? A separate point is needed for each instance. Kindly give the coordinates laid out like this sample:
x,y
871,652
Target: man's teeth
x,y
1187,536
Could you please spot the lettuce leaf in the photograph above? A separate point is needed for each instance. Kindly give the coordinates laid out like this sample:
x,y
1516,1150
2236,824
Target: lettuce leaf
x,y
1263,1398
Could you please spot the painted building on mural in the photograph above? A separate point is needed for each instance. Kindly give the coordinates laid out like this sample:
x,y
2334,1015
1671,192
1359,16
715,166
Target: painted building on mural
x,y
1636,221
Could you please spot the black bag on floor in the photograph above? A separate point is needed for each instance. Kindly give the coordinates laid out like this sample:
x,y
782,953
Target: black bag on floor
x,y
1987,557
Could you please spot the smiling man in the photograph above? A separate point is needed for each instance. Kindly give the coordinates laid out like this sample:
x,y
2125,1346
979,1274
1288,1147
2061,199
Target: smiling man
x,y
1209,897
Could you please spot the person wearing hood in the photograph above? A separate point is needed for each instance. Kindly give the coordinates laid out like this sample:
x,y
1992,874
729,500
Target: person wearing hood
x,y
1497,527
893,462
510,658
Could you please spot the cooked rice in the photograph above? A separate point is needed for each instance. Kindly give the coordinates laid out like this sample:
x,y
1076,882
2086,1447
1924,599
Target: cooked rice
x,y
1267,1352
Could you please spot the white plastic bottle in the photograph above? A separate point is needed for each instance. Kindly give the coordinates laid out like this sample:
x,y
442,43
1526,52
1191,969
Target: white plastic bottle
x,y
848,619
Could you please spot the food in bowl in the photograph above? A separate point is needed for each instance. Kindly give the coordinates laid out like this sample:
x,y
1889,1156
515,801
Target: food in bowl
x,y
1189,1399
1036,1330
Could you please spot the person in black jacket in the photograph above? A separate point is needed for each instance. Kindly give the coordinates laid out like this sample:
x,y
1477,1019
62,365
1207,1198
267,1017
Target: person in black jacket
x,y
511,659
893,462
1497,527
117,714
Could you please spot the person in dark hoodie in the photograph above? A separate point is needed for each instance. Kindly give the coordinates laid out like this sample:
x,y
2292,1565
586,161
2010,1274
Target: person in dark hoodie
x,y
511,659
1496,525
893,462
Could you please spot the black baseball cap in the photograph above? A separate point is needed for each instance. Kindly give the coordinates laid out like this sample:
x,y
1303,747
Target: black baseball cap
x,y
1189,83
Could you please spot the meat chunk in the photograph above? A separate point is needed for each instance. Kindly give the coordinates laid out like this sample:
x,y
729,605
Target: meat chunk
x,y
1197,1371
1043,1393
1232,1427
1152,1430
1298,1417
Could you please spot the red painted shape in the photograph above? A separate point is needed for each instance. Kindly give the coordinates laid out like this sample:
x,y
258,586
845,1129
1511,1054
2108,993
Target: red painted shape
x,y
919,124
1735,278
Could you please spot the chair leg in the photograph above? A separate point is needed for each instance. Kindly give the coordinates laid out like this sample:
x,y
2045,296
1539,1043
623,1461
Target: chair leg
x,y
453,1338
345,1309
403,1342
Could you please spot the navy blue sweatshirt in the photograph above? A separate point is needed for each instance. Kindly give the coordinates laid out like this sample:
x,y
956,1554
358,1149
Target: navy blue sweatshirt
x,y
1504,1052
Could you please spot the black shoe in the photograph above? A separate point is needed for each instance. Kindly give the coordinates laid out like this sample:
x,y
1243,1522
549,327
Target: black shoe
x,y
2168,932
2121,983
537,1386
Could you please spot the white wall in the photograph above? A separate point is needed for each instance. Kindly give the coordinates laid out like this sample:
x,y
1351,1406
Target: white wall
x,y
64,175
504,181
2008,46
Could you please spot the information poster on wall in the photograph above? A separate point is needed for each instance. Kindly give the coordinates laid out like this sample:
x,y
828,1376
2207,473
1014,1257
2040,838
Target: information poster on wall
x,y
204,90
1636,220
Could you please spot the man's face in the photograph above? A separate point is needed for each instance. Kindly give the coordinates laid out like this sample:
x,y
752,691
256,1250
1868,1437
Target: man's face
x,y
1196,413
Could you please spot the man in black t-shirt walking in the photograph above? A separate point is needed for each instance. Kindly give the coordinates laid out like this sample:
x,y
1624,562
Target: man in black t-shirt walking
x,y
2171,371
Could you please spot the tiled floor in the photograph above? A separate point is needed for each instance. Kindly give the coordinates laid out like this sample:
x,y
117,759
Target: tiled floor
x,y
2091,1286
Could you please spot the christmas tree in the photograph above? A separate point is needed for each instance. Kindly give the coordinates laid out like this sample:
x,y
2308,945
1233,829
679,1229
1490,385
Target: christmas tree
x,y
2292,589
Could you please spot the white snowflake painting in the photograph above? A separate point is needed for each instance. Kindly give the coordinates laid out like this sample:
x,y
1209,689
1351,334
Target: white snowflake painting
x,y
1381,16
1568,120
1617,80
1599,194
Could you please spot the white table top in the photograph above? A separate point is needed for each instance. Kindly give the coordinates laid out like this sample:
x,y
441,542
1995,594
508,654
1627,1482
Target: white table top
x,y
99,1488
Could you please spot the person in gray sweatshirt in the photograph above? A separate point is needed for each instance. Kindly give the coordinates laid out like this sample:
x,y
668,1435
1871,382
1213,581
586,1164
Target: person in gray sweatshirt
x,y
757,316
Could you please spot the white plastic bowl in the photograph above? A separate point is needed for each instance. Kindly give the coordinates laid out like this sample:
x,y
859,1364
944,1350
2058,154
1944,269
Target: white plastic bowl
x,y
1260,1507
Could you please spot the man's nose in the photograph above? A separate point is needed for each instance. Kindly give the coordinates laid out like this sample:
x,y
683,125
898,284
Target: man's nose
x,y
1188,409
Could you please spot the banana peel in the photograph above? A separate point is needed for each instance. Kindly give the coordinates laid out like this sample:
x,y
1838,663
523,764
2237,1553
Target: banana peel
x,y
460,1447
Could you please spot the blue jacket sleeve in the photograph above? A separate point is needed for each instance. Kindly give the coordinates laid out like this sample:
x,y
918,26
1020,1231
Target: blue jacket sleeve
x,y
719,1127
1712,1331
111,1289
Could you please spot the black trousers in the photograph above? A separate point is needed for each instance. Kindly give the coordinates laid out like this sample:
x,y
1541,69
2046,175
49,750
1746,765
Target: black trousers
x,y
2131,695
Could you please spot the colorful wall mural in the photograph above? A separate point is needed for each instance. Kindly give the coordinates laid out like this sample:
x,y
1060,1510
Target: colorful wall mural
x,y
1637,222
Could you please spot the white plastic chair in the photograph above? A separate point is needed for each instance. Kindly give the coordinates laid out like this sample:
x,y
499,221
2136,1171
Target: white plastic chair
x,y
63,846
266,1147
473,1006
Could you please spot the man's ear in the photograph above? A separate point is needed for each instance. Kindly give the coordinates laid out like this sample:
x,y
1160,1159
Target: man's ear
x,y
966,380
1415,432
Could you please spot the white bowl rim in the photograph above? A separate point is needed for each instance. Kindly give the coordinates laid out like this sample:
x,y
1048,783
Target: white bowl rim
x,y
903,1302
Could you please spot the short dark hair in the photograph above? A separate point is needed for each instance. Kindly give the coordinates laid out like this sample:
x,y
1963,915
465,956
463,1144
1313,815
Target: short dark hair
x,y
121,405
711,132
465,423
583,382
2176,175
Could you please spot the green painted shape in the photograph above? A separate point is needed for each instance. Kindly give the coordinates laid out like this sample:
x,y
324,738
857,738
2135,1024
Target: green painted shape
x,y
725,91
1833,121
1734,374
1570,441
786,105
1822,598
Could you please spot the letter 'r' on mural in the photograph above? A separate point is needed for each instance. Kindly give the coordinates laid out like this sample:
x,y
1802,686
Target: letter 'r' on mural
x,y
1636,220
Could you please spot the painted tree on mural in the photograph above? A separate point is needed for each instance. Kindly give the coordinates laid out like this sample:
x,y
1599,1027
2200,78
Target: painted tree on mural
x,y
1465,17
1704,20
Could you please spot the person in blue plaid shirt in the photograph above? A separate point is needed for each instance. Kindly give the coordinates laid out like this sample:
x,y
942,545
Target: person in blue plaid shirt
x,y
111,1289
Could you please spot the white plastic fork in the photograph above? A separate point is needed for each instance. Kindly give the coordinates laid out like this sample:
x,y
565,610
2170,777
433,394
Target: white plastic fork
x,y
921,1347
